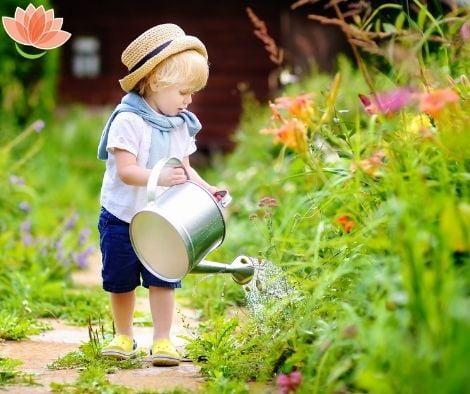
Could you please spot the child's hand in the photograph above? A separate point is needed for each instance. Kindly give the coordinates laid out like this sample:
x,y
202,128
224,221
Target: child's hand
x,y
217,192
212,190
171,176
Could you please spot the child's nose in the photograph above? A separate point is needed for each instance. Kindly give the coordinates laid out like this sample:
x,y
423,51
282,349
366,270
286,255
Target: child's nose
x,y
188,99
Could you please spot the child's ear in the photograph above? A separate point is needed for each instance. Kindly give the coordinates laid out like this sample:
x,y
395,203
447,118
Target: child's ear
x,y
153,83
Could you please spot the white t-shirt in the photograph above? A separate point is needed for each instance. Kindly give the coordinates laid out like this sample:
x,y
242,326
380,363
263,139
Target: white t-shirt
x,y
130,132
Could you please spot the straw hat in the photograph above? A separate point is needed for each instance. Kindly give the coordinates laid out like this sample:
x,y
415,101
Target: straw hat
x,y
152,47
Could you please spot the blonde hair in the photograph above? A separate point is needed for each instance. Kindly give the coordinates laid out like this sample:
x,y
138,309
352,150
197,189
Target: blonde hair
x,y
188,68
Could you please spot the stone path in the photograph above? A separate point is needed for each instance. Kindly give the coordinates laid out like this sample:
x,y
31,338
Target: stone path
x,y
41,350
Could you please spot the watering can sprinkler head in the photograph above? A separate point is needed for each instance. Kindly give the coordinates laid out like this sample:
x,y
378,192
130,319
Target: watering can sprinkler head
x,y
242,269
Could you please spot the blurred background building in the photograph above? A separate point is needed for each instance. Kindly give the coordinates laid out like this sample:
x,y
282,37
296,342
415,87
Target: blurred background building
x,y
91,67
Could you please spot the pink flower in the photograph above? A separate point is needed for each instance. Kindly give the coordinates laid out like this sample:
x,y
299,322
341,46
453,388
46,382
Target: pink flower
x,y
283,380
372,165
387,102
295,378
268,202
289,383
465,31
36,27
369,106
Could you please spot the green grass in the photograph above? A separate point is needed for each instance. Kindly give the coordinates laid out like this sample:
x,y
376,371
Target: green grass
x,y
89,355
91,380
10,375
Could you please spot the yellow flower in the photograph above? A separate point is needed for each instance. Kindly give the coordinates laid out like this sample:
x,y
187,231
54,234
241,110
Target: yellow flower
x,y
418,124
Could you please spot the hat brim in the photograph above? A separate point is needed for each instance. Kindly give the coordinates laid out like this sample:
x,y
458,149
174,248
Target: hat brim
x,y
177,45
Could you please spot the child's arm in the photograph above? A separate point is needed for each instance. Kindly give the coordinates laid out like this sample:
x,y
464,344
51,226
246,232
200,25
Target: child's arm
x,y
132,174
195,177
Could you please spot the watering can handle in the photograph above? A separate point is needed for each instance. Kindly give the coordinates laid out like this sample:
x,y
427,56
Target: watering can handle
x,y
155,174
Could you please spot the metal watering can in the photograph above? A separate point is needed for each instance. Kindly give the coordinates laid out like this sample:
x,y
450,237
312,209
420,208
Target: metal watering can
x,y
178,228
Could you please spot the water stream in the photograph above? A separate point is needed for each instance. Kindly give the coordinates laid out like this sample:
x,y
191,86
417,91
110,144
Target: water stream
x,y
269,283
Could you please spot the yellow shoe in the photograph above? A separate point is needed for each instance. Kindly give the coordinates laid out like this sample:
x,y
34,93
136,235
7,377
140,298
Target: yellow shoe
x,y
121,347
163,353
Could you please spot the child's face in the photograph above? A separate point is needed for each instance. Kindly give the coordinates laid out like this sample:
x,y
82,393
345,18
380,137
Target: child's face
x,y
172,99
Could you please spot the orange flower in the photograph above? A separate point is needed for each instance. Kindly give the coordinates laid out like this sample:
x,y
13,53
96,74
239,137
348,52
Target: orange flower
x,y
342,219
292,134
276,114
433,103
298,106
346,222
36,27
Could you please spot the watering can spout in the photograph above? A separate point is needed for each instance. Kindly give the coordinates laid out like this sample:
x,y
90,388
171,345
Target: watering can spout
x,y
242,269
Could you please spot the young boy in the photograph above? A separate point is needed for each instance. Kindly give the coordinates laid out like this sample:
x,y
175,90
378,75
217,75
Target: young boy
x,y
166,67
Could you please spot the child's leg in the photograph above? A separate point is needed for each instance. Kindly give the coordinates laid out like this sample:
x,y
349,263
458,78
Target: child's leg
x,y
122,305
162,304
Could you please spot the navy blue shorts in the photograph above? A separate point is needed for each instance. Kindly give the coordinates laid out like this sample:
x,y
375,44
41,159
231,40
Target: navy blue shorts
x,y
122,269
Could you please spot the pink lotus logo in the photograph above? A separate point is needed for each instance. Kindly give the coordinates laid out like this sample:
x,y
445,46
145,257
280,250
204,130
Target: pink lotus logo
x,y
37,28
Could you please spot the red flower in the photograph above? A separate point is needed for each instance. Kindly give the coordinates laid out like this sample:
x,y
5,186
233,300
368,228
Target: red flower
x,y
346,222
36,27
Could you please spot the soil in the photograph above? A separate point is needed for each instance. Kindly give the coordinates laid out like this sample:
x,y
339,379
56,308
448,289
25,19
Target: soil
x,y
40,350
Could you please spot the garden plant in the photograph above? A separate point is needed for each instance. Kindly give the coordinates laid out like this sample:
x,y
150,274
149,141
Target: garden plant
x,y
355,185
363,200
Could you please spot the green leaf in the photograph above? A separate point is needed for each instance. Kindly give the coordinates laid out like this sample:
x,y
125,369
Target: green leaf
x,y
452,228
339,369
421,16
389,28
400,21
